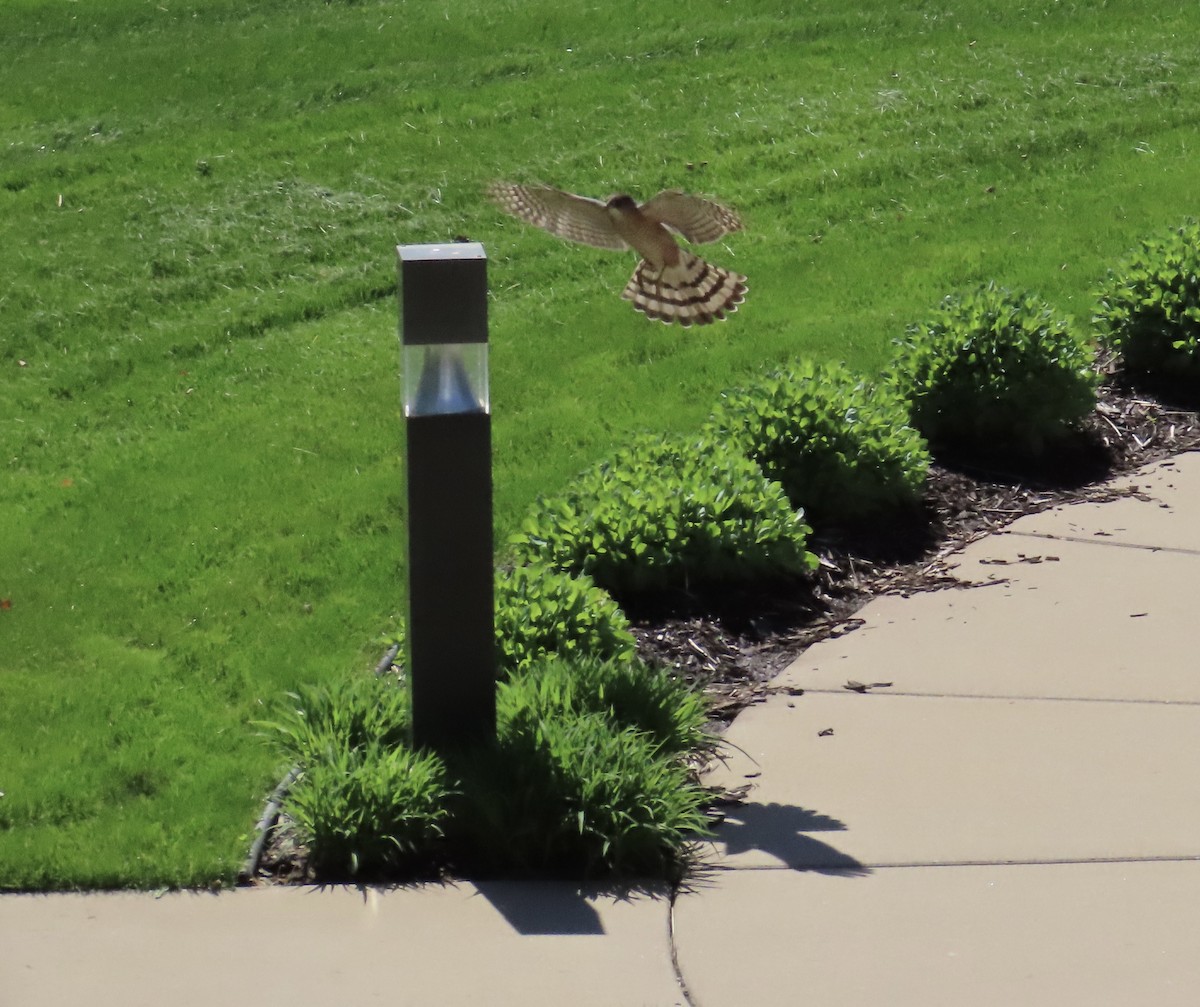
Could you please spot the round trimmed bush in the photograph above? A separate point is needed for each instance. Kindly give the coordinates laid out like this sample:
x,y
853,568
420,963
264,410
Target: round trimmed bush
x,y
841,448
677,512
995,372
540,611
1149,307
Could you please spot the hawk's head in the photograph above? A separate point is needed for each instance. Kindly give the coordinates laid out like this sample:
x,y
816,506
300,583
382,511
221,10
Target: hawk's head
x,y
621,202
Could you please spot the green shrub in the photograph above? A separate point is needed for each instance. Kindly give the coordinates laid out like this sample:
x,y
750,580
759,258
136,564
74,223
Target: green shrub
x,y
369,811
994,371
541,611
352,713
364,804
589,774
571,792
628,693
841,448
666,513
1149,306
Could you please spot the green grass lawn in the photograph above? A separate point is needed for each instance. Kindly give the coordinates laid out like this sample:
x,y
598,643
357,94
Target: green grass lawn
x,y
201,503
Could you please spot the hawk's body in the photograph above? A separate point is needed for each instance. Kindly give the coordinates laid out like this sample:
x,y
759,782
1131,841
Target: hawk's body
x,y
670,283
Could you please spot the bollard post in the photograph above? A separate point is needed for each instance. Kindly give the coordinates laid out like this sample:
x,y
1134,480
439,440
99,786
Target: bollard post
x,y
451,644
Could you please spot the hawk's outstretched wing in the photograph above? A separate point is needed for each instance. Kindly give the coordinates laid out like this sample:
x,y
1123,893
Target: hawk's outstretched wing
x,y
576,218
698,220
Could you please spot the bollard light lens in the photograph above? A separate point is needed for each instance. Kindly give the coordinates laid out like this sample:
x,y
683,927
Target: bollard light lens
x,y
442,379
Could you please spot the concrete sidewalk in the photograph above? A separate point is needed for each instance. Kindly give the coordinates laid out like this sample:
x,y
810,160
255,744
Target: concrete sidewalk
x,y
1015,819
495,944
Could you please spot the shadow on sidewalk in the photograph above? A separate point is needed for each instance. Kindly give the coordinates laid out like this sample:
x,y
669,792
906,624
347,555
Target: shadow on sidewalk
x,y
559,907
782,831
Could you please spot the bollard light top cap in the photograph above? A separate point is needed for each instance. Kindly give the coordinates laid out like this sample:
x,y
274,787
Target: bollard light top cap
x,y
445,250
443,293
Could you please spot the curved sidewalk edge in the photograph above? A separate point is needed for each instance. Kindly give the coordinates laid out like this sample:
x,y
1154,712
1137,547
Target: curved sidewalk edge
x,y
1014,819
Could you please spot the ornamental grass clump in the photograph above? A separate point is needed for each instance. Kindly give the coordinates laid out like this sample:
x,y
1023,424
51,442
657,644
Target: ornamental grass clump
x,y
993,372
590,775
664,513
364,804
842,448
346,714
1149,309
370,812
628,693
541,611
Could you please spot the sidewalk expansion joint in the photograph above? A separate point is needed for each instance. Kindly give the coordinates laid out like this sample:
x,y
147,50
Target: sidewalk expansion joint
x,y
1128,700
864,868
675,966
1106,539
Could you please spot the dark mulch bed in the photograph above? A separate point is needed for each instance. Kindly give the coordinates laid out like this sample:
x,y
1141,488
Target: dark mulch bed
x,y
732,645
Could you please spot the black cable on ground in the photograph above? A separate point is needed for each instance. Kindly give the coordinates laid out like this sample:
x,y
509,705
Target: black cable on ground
x,y
388,659
265,824
270,813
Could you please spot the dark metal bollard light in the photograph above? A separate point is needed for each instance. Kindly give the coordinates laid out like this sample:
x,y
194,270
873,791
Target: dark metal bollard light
x,y
451,644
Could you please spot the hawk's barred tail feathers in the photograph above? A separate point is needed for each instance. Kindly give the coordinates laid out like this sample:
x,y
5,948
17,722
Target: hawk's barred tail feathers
x,y
694,291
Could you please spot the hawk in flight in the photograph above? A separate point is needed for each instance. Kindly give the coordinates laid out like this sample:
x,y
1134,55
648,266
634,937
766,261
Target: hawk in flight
x,y
670,283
